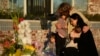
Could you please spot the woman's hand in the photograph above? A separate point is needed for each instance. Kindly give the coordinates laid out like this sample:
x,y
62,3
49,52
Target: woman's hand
x,y
58,25
85,29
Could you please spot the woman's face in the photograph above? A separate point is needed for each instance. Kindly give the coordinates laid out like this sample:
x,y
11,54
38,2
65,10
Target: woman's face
x,y
73,22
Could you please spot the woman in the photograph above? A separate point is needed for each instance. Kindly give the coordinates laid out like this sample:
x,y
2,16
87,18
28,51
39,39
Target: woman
x,y
86,44
74,10
61,28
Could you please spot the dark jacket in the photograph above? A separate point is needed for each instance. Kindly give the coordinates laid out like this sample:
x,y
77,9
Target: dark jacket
x,y
86,45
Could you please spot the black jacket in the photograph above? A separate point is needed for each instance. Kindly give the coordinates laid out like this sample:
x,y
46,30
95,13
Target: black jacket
x,y
86,44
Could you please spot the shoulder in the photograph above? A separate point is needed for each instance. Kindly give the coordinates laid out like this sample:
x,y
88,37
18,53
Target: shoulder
x,y
85,29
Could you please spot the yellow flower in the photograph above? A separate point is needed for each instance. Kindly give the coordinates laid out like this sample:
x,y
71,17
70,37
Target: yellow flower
x,y
29,47
10,54
18,52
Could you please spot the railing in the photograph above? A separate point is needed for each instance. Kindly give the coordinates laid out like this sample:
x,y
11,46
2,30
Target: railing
x,y
95,24
39,7
35,24
8,24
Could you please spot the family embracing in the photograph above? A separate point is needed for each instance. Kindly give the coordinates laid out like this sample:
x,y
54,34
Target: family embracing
x,y
73,36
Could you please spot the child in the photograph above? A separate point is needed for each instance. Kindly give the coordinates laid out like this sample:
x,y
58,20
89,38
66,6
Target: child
x,y
50,49
71,48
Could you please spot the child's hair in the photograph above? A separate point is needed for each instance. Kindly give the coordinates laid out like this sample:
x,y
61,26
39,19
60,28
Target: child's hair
x,y
77,29
64,9
52,36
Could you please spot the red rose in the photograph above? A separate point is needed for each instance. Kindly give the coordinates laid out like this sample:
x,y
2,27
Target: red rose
x,y
21,19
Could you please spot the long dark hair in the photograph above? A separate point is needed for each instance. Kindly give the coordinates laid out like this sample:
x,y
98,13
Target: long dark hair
x,y
80,22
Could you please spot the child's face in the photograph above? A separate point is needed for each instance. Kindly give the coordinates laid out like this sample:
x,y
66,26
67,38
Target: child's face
x,y
52,39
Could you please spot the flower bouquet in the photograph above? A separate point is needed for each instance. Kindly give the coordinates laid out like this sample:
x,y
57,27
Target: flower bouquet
x,y
20,44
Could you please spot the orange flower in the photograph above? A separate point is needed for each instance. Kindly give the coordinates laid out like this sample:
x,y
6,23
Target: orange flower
x,y
15,27
6,44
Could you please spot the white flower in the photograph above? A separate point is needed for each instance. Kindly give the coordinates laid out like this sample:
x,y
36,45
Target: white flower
x,y
24,33
21,25
26,22
21,31
20,36
26,40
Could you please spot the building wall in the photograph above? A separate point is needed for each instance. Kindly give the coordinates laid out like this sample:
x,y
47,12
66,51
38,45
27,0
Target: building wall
x,y
4,4
94,6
